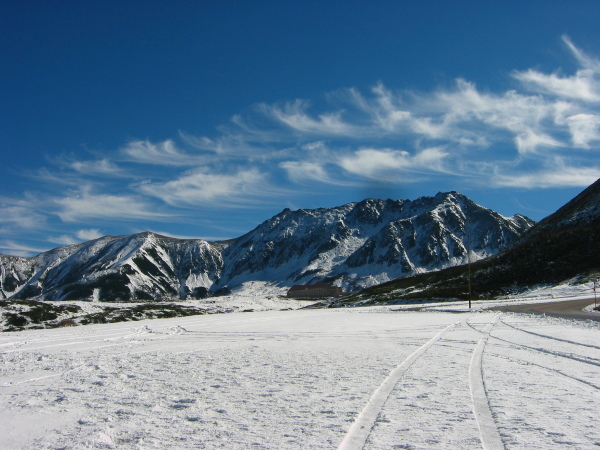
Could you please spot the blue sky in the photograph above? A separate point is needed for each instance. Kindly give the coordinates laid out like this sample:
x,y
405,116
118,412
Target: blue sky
x,y
203,119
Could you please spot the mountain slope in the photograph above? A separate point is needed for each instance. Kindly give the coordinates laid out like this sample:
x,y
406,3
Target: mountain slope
x,y
369,242
560,247
354,245
144,266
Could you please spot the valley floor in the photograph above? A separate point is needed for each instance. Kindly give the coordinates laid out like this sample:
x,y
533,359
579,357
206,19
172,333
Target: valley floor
x,y
357,378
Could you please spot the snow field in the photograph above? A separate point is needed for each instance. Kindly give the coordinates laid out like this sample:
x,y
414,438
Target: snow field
x,y
304,379
557,389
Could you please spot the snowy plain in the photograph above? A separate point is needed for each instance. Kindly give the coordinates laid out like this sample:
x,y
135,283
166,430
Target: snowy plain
x,y
371,378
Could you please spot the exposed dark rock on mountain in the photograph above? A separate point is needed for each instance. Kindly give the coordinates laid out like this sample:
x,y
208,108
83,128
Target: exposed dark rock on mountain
x,y
563,246
354,245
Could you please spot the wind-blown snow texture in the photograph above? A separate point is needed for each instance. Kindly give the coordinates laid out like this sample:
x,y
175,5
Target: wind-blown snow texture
x,y
355,245
369,377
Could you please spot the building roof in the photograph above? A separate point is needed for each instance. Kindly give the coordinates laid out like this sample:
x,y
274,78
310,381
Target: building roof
x,y
305,287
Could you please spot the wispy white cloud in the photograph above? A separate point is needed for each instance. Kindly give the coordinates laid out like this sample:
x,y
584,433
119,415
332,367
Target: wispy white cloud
x,y
68,169
303,171
203,187
316,146
84,205
470,113
530,141
63,239
584,128
580,86
20,215
311,172
165,153
386,163
89,234
438,132
57,179
238,144
80,236
12,247
543,133
295,116
584,60
583,85
560,175
387,111
99,167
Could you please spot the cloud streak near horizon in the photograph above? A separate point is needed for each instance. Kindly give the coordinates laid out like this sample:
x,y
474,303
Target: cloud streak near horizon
x,y
543,133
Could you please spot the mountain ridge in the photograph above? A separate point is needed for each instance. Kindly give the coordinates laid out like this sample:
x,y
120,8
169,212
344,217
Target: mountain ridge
x,y
559,248
354,245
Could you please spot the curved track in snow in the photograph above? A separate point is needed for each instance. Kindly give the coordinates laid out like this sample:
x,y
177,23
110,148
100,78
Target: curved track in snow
x,y
568,341
567,355
582,384
490,437
358,433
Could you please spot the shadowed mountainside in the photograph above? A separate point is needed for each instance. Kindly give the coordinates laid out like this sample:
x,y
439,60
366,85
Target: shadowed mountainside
x,y
354,246
563,246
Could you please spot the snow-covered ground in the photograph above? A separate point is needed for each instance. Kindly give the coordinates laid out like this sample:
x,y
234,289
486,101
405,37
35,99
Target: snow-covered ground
x,y
250,296
356,378
543,294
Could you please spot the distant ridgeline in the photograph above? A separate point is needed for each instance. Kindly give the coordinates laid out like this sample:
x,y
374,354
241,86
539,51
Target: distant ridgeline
x,y
351,246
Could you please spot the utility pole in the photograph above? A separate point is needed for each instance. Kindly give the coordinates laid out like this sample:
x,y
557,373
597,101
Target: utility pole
x,y
468,230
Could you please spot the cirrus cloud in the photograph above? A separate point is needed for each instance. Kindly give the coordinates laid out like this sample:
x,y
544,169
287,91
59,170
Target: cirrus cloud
x,y
202,187
165,153
84,205
542,133
583,85
382,163
559,176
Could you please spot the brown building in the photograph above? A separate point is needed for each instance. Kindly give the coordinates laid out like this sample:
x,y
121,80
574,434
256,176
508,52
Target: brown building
x,y
318,290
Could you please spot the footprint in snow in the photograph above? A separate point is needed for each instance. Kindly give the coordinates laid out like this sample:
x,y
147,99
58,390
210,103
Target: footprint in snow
x,y
193,418
143,330
179,406
183,403
186,400
178,329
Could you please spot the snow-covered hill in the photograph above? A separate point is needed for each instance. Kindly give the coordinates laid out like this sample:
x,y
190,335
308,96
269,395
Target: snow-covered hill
x,y
354,245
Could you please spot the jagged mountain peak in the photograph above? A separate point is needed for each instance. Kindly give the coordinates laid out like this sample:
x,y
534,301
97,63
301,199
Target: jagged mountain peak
x,y
354,245
561,248
384,238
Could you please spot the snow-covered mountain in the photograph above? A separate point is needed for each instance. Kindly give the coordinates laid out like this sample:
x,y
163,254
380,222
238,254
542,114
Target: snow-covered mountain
x,y
560,249
354,245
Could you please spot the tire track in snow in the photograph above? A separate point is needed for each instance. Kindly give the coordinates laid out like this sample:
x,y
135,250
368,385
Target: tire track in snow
x,y
581,344
488,431
71,341
30,380
582,384
27,345
527,362
357,434
143,332
39,378
571,356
